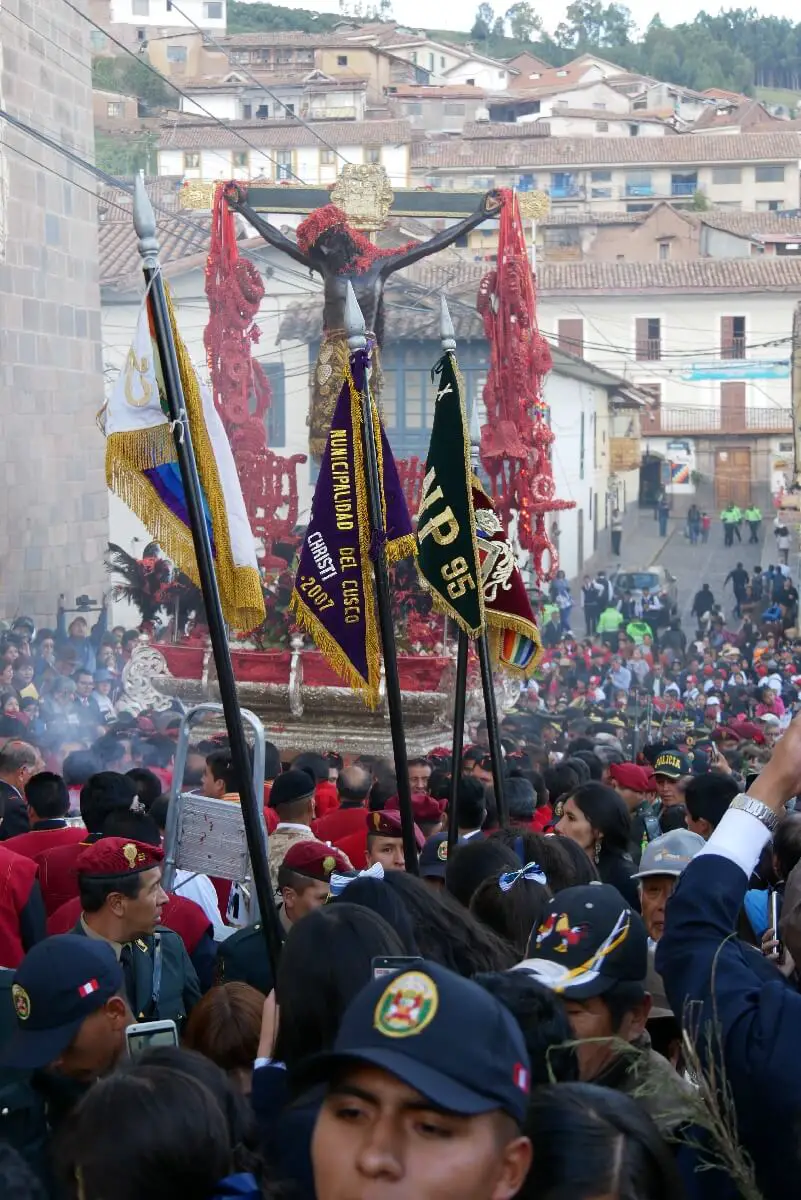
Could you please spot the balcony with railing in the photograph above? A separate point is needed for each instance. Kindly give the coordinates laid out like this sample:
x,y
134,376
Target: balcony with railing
x,y
649,349
734,347
692,420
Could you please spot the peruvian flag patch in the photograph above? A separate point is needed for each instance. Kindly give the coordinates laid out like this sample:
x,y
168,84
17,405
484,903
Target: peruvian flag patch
x,y
521,1077
86,989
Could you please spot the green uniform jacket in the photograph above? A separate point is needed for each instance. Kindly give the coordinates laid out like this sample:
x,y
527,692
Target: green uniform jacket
x,y
753,514
609,621
179,990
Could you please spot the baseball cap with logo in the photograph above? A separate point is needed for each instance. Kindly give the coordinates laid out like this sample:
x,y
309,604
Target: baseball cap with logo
x,y
60,982
588,941
670,853
416,1025
672,764
434,857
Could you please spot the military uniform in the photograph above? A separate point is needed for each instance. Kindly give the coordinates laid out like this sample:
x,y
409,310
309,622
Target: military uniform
x,y
243,957
160,981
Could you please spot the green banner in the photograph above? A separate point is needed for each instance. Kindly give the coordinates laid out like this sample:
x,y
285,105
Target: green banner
x,y
447,552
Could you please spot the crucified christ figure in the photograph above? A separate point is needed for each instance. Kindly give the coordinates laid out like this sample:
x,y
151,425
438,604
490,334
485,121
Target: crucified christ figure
x,y
341,255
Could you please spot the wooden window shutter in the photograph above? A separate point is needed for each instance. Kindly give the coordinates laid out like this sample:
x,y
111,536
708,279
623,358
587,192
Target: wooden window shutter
x,y
726,336
571,336
641,338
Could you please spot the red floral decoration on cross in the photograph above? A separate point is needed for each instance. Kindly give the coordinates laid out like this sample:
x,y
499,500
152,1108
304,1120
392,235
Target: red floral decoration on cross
x,y
242,392
517,438
331,219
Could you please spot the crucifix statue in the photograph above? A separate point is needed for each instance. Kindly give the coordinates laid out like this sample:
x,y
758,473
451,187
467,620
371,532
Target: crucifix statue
x,y
332,242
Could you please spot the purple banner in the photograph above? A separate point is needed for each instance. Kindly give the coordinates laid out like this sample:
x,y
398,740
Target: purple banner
x,y
333,599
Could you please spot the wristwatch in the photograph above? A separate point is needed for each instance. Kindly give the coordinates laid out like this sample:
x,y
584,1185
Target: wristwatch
x,y
756,809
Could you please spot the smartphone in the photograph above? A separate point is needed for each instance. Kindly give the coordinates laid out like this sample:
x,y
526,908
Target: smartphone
x,y
388,966
774,910
147,1035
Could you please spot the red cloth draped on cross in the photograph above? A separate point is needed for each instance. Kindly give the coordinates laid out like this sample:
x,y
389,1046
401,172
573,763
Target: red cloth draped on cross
x,y
242,393
516,440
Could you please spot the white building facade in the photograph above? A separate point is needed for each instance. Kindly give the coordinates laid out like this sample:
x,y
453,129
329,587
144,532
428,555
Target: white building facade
x,y
208,14
710,341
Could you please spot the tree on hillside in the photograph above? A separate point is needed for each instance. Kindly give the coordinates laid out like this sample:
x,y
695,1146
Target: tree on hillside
x,y
589,25
523,21
482,26
127,156
131,77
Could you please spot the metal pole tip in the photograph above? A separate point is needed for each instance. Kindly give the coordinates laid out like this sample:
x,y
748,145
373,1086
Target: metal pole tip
x,y
355,327
447,332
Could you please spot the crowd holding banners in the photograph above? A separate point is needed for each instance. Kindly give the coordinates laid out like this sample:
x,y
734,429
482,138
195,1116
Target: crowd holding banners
x,y
582,993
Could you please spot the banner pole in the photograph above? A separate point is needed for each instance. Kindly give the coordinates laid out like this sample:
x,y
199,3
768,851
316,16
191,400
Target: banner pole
x,y
462,642
357,341
485,663
493,734
145,225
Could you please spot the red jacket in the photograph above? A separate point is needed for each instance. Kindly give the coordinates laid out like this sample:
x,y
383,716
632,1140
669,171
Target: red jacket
x,y
17,877
32,844
354,845
182,916
326,798
339,823
57,877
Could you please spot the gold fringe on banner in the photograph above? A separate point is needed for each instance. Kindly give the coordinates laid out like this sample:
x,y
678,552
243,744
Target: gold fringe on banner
x,y
142,449
240,586
402,547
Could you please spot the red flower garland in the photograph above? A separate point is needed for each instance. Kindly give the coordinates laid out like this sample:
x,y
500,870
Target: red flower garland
x,y
330,219
516,440
235,289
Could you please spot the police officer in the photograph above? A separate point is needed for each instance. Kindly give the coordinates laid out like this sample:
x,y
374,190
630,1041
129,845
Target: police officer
x,y
121,902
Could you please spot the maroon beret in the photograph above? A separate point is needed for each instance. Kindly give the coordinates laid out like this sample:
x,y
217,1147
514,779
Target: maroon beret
x,y
388,824
424,807
315,860
114,856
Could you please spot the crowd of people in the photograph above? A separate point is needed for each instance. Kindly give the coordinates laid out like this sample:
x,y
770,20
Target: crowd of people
x,y
591,992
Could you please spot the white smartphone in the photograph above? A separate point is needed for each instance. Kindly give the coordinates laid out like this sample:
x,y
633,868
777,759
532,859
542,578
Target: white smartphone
x,y
146,1035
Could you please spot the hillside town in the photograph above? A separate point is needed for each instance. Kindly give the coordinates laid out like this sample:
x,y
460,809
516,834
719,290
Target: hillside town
x,y
399,592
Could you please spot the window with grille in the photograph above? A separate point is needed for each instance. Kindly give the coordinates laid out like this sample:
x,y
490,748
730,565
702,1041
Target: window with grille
x,y
732,337
648,339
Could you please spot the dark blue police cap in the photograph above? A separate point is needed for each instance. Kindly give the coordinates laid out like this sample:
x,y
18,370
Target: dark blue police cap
x,y
60,982
440,1034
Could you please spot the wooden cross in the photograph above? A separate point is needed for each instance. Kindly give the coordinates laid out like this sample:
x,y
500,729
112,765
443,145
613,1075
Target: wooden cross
x,y
366,197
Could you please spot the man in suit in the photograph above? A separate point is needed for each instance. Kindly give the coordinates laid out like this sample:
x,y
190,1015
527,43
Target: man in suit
x,y
84,707
18,762
353,788
741,1002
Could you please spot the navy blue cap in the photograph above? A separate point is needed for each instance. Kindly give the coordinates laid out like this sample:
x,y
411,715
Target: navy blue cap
x,y
60,982
440,1034
588,941
434,856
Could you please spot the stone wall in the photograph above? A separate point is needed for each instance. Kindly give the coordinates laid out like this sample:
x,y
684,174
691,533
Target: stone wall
x,y
53,499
